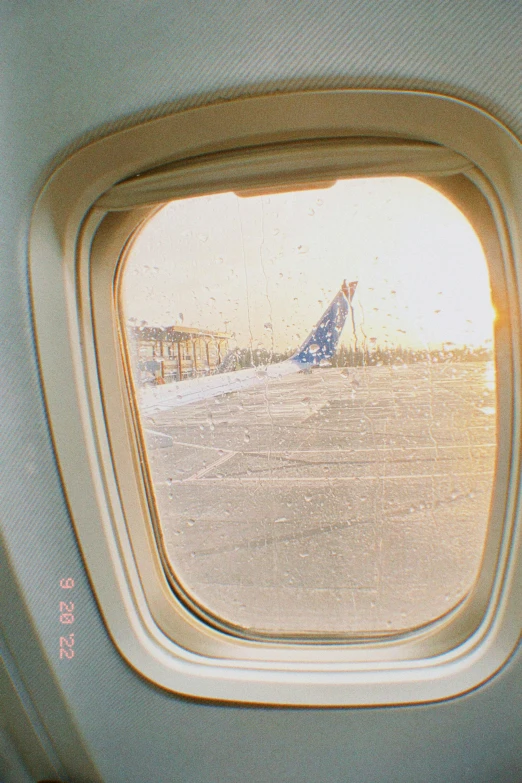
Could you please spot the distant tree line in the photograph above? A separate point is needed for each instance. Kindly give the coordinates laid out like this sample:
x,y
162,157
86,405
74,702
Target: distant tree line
x,y
254,357
375,356
349,357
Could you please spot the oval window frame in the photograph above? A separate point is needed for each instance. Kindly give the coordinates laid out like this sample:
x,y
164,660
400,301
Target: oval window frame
x,y
169,644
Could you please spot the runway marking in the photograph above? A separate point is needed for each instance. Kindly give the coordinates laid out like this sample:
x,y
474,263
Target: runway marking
x,y
159,434
302,535
195,445
464,445
208,468
318,479
368,448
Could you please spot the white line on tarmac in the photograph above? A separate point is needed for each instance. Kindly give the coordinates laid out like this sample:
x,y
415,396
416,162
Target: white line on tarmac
x,y
334,451
210,467
368,448
198,445
322,479
159,434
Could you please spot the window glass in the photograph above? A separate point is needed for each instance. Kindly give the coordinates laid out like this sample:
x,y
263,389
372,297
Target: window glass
x,y
314,372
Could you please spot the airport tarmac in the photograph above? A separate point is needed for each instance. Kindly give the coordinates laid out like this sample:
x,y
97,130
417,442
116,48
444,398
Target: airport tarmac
x,y
339,501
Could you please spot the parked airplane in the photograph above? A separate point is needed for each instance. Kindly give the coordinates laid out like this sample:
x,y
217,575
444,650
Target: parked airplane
x,y
316,351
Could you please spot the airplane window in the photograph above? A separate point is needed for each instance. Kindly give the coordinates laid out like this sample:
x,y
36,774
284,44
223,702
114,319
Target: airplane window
x,y
315,379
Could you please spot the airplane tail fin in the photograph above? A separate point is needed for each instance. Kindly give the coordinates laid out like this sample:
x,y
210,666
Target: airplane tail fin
x,y
321,343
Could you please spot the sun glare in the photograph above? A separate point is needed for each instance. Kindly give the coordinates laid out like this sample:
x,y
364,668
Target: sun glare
x,y
234,264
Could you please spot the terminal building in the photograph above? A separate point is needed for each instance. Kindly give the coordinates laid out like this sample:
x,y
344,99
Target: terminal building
x,y
174,353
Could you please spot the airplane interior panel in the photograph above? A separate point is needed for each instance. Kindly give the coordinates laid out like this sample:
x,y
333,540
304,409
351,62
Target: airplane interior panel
x,y
260,414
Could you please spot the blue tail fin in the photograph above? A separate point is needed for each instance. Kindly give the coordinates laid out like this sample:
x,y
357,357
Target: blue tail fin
x,y
321,343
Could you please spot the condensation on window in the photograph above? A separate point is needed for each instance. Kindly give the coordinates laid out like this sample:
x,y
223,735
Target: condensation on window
x,y
315,377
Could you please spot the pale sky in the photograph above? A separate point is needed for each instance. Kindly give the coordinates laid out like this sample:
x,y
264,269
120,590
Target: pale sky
x,y
265,268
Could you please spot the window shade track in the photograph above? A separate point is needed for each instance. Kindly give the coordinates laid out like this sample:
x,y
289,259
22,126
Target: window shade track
x,y
284,166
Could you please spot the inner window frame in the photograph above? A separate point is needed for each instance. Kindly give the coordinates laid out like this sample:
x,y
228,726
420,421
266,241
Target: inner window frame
x,y
456,187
